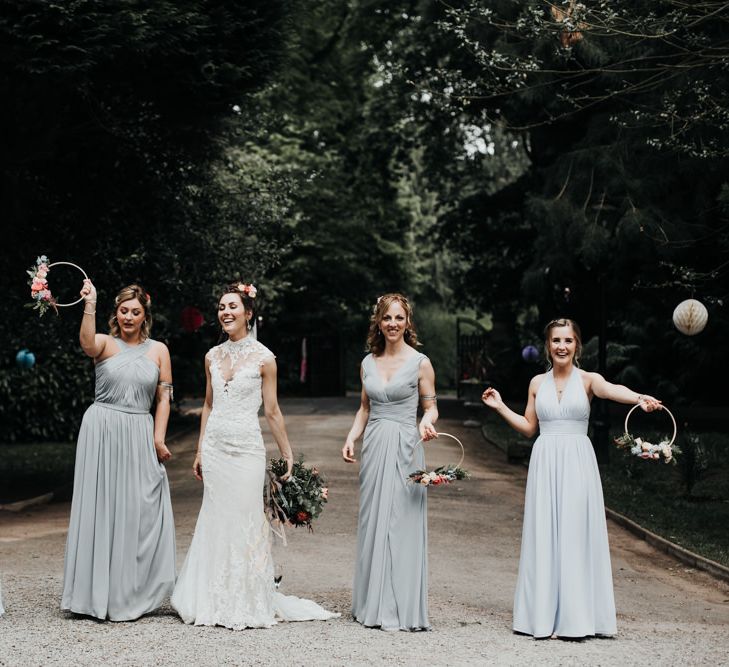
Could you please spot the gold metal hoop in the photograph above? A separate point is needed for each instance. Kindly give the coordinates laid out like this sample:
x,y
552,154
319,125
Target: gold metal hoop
x,y
460,444
76,266
664,409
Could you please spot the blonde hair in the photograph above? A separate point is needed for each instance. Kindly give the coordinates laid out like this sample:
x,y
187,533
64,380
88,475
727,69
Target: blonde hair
x,y
127,294
563,322
375,339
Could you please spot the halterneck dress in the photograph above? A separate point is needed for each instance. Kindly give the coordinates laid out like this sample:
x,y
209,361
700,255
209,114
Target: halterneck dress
x,y
391,575
120,550
565,584
227,577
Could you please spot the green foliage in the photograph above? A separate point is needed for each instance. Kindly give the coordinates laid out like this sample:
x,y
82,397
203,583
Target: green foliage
x,y
123,116
28,470
657,497
693,462
45,402
608,175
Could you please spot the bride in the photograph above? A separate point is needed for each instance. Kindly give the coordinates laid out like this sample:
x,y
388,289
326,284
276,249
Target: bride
x,y
227,577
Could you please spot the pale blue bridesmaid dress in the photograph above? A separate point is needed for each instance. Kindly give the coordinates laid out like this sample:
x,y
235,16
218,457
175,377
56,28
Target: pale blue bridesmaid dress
x,y
391,575
120,550
565,584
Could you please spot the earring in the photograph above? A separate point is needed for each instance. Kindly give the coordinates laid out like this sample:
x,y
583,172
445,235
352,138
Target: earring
x,y
250,326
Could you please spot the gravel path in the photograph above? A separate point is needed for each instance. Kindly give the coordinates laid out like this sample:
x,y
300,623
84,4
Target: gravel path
x,y
667,614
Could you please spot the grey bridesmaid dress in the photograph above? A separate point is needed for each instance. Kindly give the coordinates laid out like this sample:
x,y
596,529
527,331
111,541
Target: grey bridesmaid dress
x,y
120,550
565,583
391,576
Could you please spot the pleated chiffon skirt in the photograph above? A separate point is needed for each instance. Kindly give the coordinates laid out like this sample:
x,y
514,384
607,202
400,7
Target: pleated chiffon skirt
x,y
565,581
391,576
120,551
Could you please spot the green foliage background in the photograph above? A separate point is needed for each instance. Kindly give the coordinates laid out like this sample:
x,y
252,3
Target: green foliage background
x,y
331,152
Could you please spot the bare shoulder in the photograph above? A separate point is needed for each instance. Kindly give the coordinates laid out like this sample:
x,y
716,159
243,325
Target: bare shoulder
x,y
589,377
159,347
536,382
426,365
160,350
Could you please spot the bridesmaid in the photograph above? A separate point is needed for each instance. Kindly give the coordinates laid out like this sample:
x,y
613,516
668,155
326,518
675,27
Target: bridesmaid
x,y
391,575
565,585
120,551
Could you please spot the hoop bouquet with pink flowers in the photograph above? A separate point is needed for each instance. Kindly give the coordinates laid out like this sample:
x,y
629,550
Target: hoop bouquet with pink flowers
x,y
442,474
665,450
40,291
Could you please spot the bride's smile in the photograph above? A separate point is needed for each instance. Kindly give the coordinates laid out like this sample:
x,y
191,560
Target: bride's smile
x,y
232,316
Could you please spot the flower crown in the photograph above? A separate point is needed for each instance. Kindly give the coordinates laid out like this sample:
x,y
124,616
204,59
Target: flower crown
x,y
248,290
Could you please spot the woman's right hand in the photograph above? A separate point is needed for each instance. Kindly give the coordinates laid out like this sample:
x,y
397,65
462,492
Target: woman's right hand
x,y
348,452
492,398
88,291
197,467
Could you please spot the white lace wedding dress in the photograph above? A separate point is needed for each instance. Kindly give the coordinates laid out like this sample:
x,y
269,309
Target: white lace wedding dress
x,y
227,577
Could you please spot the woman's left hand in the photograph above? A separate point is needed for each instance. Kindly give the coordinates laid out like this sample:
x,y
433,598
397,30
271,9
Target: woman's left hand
x,y
163,454
427,431
648,403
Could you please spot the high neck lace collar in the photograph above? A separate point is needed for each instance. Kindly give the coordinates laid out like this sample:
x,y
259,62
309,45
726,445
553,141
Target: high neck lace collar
x,y
243,342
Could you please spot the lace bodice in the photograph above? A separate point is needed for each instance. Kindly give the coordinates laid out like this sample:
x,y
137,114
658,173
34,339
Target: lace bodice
x,y
235,375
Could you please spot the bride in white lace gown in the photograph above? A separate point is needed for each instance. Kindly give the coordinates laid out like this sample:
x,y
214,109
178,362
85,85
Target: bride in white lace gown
x,y
227,577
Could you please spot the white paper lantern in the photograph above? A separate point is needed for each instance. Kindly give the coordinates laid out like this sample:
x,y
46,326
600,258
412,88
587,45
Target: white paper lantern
x,y
690,317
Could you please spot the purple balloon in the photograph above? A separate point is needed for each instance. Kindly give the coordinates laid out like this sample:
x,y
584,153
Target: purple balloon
x,y
530,354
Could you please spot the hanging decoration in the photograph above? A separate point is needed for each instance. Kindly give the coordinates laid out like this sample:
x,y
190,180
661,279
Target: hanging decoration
x,y
192,319
25,358
304,368
690,317
530,354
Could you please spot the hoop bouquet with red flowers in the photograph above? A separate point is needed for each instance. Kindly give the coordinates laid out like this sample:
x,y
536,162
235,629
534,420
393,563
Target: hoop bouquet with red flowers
x,y
443,474
300,499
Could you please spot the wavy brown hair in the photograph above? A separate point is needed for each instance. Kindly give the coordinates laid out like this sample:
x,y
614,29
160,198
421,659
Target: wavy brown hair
x,y
563,322
249,304
375,339
127,294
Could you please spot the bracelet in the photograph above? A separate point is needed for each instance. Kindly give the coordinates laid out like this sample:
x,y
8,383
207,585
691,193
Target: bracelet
x,y
640,399
429,397
168,385
93,312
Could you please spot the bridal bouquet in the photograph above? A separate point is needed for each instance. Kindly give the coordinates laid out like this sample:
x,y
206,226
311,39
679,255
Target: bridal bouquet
x,y
300,499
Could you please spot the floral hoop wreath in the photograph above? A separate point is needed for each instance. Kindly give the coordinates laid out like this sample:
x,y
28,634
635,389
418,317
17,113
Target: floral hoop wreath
x,y
665,449
40,292
443,474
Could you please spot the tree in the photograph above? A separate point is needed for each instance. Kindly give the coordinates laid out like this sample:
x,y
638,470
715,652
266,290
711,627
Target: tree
x,y
119,115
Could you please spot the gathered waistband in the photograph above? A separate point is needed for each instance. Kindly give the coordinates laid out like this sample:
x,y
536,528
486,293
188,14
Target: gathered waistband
x,y
121,408
388,418
563,427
